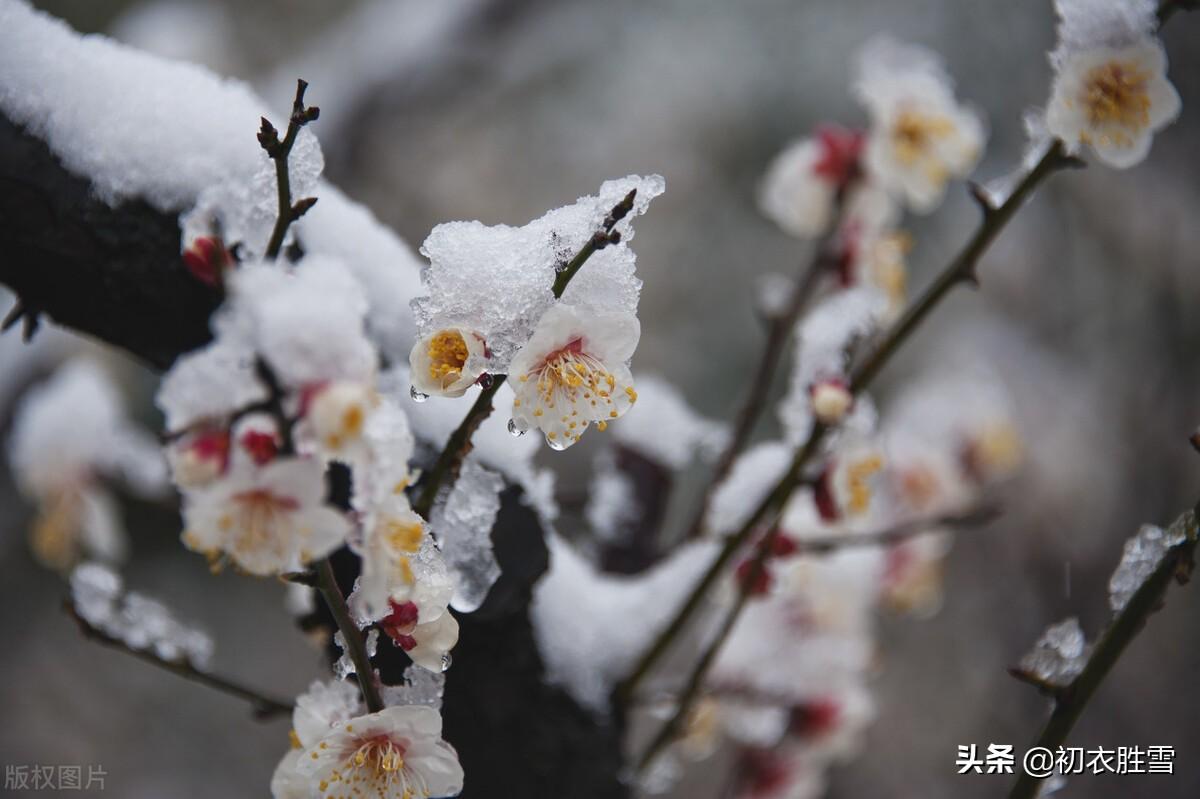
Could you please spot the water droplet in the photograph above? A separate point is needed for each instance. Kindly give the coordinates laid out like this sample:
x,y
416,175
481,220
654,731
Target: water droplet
x,y
485,381
446,661
417,395
512,428
556,444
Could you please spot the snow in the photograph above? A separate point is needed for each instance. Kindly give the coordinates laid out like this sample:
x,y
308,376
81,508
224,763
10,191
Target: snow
x,y
463,524
823,337
183,139
1086,24
1140,558
497,280
612,505
621,615
420,687
664,428
144,624
754,474
1059,656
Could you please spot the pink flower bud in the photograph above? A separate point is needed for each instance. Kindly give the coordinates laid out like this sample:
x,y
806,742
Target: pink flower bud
x,y
207,259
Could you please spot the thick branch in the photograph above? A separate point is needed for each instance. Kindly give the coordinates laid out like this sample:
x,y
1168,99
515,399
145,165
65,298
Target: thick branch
x,y
1070,701
264,706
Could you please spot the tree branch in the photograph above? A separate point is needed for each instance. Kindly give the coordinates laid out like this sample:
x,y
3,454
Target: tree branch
x,y
326,583
279,151
458,446
960,270
264,706
1070,700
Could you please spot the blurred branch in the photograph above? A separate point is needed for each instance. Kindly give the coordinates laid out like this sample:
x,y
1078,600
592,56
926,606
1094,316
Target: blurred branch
x,y
264,706
768,365
458,446
960,270
885,537
1070,700
279,151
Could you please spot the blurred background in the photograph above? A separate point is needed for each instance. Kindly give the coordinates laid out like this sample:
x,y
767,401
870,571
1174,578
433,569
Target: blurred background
x,y
501,109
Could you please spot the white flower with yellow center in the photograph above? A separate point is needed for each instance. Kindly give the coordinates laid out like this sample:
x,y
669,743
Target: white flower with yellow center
x,y
401,563
397,753
574,371
447,362
1113,99
920,136
336,416
267,521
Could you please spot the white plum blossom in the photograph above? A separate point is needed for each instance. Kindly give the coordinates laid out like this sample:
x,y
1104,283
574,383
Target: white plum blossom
x,y
574,371
447,362
396,753
920,136
267,521
1113,99
802,184
335,417
68,435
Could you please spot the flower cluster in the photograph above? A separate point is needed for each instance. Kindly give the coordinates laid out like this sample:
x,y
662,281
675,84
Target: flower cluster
x,y
492,309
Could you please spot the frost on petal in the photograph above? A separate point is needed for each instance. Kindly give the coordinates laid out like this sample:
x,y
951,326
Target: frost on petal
x,y
463,524
395,753
1113,99
1059,656
920,137
824,336
498,280
1140,558
574,371
144,624
665,428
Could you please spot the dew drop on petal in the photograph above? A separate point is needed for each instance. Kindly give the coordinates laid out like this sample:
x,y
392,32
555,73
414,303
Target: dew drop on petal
x,y
512,428
446,661
417,395
556,444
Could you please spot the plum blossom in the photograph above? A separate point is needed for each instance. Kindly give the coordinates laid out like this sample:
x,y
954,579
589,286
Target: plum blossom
x,y
921,136
335,417
396,753
1113,99
267,521
447,362
802,184
574,371
69,434
199,457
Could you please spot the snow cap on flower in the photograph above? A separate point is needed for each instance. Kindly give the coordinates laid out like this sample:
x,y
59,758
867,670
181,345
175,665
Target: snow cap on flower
x,y
446,362
920,136
497,281
267,521
396,753
574,371
802,183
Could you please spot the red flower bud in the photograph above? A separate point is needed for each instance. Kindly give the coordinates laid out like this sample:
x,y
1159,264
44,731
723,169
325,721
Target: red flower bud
x,y
261,446
207,259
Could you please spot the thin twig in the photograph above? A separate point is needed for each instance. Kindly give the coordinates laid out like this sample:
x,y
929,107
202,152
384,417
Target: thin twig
x,y
445,471
1070,700
885,537
264,706
279,151
326,583
959,270
760,385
